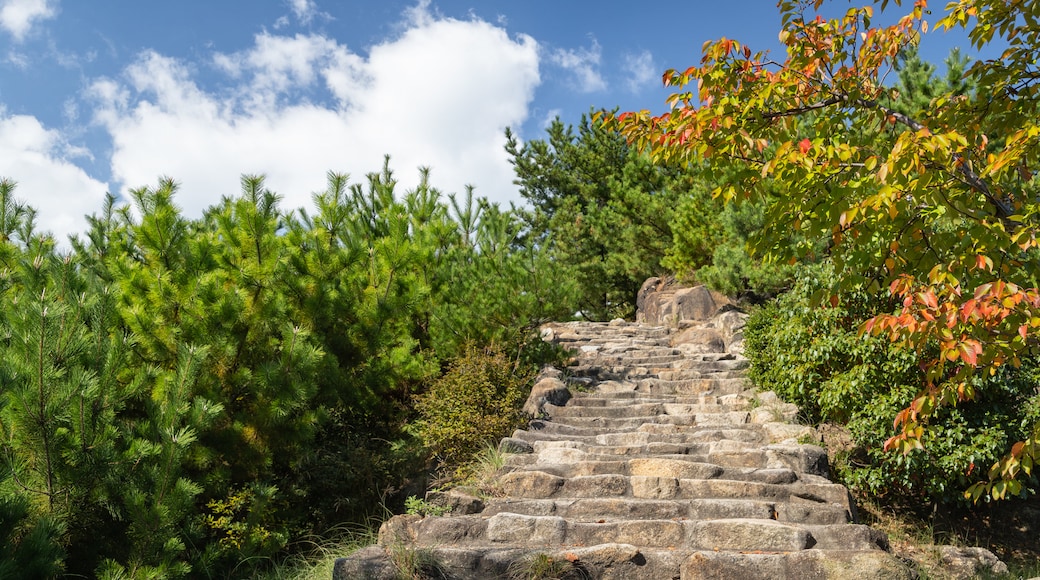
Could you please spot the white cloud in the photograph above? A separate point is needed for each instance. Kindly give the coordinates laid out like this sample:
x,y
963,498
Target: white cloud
x,y
37,158
583,64
305,11
439,95
550,117
19,60
640,70
18,16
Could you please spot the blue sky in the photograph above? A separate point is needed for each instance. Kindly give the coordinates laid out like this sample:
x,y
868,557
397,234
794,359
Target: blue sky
x,y
108,95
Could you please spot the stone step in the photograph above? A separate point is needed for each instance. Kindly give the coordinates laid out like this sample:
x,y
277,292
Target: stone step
x,y
625,562
692,509
690,374
553,433
815,563
629,397
639,408
689,435
727,365
644,434
571,465
541,485
724,454
653,338
740,534
692,386
627,361
614,424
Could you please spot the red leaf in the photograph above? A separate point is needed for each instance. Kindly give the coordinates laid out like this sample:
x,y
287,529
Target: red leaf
x,y
969,353
928,299
805,145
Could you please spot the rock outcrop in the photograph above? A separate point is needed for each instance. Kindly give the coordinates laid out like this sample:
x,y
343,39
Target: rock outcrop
x,y
648,457
662,465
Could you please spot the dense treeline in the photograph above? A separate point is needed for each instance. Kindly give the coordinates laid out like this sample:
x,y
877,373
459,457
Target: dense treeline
x,y
606,209
187,395
615,218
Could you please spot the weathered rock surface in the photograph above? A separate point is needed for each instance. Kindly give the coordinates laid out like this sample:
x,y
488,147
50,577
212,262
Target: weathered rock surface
x,y
662,465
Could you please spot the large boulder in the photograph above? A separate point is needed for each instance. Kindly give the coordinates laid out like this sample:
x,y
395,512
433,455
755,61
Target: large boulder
x,y
547,389
662,302
706,321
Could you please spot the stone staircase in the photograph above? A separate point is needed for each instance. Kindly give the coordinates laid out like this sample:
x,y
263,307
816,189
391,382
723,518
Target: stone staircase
x,y
646,459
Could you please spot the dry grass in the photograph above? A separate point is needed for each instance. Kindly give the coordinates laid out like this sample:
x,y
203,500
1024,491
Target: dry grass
x,y
1009,529
315,557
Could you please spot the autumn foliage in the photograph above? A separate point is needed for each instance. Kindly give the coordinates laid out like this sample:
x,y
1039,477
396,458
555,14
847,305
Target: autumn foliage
x,y
935,206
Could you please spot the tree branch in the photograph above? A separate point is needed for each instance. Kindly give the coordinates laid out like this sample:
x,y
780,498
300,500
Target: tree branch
x,y
971,179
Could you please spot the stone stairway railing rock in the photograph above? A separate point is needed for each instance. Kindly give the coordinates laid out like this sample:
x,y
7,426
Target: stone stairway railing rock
x,y
647,457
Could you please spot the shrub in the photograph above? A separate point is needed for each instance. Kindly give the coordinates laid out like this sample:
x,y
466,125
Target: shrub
x,y
476,401
814,357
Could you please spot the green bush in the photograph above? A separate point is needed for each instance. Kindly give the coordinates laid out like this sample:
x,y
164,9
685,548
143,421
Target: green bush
x,y
183,397
814,356
477,401
28,549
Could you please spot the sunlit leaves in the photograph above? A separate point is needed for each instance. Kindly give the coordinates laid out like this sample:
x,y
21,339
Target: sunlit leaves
x,y
934,201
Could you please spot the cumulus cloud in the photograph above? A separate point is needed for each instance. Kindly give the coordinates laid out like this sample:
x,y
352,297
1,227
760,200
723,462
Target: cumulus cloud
x,y
640,70
438,95
18,16
40,161
306,10
583,65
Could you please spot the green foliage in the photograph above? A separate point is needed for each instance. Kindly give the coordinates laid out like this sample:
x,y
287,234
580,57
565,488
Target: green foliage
x,y
417,506
604,211
181,397
499,288
935,202
816,358
546,567
476,402
918,85
731,269
29,546
614,219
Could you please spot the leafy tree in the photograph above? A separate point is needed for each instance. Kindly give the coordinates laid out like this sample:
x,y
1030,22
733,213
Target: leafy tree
x,y
815,357
937,208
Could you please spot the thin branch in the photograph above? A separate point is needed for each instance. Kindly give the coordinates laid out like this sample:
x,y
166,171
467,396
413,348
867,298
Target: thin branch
x,y
971,179
804,109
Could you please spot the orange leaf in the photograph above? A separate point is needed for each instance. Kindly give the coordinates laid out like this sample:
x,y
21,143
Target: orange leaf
x,y
969,352
929,299
1016,449
805,145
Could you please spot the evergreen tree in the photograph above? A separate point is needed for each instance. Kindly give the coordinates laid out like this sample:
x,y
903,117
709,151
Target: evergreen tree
x,y
604,210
